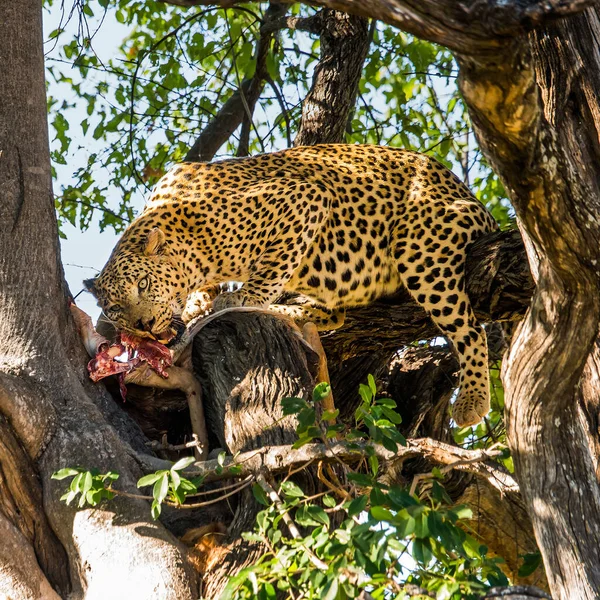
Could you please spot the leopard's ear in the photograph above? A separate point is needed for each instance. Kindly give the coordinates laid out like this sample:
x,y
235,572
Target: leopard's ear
x,y
154,242
90,285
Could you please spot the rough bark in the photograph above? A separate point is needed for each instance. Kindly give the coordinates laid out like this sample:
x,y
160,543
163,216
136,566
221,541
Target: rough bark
x,y
477,27
542,143
326,108
45,399
543,152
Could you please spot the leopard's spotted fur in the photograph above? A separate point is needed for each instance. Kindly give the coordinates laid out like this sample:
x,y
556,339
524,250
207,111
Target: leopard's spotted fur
x,y
342,224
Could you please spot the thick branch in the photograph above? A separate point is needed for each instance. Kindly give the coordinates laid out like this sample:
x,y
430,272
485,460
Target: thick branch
x,y
281,459
465,26
344,44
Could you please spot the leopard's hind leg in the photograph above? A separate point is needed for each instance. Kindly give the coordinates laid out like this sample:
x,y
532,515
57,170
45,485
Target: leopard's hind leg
x,y
446,301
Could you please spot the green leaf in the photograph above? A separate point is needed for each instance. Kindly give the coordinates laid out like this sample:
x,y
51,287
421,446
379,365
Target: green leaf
x,y
393,416
175,480
463,512
86,483
150,479
372,384
161,488
183,463
289,488
155,509
329,501
531,561
306,419
422,526
321,391
64,473
357,505
379,513
374,464
69,496
360,479
292,406
365,393
330,415
404,524
421,551
330,591
77,482
311,514
260,495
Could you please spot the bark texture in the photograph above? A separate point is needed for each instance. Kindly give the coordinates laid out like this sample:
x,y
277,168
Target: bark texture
x,y
480,27
544,151
345,41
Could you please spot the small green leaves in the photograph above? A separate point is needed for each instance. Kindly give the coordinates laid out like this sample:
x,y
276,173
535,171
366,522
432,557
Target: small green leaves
x,y
291,490
337,544
169,485
292,406
64,473
311,515
260,495
90,486
531,562
183,463
321,391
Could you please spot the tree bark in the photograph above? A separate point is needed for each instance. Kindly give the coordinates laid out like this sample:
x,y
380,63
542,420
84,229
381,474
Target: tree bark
x,y
541,152
46,401
537,120
345,40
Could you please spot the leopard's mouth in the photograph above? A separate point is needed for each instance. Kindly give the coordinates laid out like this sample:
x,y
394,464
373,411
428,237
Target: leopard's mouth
x,y
170,334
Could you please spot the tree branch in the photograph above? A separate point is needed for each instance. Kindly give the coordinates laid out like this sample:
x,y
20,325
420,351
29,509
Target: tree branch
x,y
240,106
280,459
470,27
345,41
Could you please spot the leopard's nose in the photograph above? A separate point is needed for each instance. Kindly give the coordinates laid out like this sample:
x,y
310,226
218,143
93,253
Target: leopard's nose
x,y
145,325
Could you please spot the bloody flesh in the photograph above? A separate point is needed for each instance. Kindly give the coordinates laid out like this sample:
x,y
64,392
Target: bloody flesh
x,y
132,351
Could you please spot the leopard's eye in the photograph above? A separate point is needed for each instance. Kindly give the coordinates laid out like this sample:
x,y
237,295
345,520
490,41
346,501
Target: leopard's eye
x,y
113,311
143,283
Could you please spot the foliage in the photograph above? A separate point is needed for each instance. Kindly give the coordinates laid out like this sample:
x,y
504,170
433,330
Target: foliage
x,y
176,67
363,535
92,485
372,536
170,485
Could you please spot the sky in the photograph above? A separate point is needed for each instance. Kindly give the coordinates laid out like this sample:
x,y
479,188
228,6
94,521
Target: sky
x,y
84,253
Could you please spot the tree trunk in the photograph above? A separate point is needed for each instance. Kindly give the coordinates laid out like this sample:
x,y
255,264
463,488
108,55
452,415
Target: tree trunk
x,y
345,40
534,105
47,402
542,151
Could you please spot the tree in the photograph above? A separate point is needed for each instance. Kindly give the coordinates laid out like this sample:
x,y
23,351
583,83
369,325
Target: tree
x,y
521,75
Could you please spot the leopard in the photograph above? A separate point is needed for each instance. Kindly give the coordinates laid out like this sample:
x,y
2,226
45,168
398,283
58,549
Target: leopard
x,y
340,224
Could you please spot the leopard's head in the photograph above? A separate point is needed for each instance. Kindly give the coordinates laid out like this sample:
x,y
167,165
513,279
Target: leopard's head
x,y
140,289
